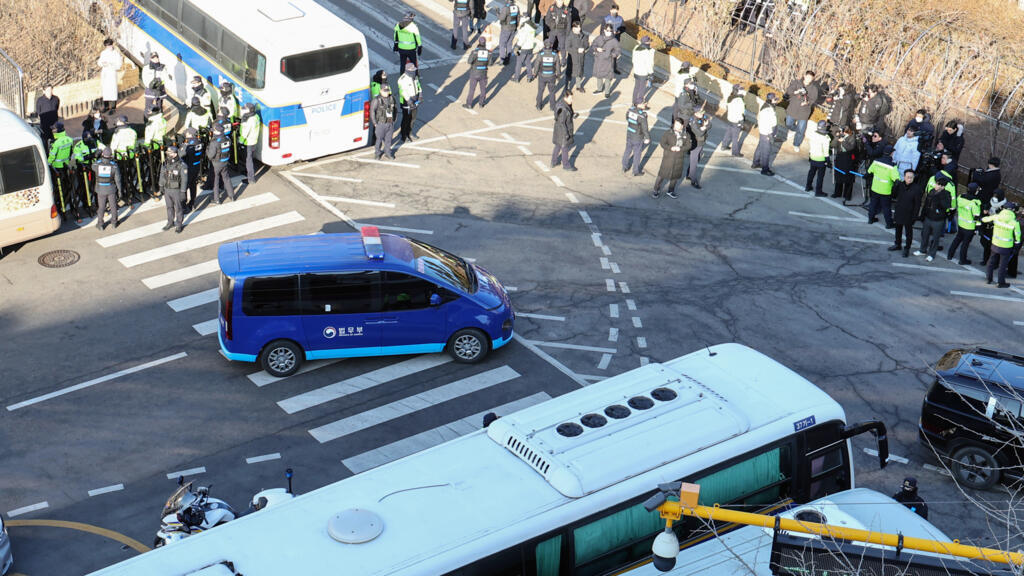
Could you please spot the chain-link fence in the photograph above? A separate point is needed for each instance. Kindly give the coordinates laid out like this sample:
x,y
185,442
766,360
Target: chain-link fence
x,y
12,85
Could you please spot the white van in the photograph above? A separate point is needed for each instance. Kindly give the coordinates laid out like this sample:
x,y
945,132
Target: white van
x,y
27,209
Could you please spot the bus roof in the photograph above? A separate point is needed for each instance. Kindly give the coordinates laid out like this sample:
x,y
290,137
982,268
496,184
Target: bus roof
x,y
448,505
281,28
17,133
316,253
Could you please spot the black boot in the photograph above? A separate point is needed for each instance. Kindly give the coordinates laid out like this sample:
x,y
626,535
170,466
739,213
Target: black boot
x,y
455,42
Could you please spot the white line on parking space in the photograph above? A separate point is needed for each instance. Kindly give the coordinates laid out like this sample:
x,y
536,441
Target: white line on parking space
x,y
585,217
181,274
631,304
316,198
193,300
644,360
106,490
930,268
785,180
572,198
489,123
988,296
261,378
579,347
362,382
558,181
541,316
1018,323
776,192
605,360
385,163
96,381
605,265
27,509
596,239
609,284
892,457
435,436
325,177
592,377
264,458
453,100
541,128
624,287
544,167
942,471
866,240
613,334
210,239
532,347
613,310
641,342
358,201
1014,288
525,151
399,229
506,136
412,404
437,150
498,140
606,250
825,216
437,89
206,328
614,267
637,323
189,472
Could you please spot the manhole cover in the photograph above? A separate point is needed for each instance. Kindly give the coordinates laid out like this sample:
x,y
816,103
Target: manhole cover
x,y
59,258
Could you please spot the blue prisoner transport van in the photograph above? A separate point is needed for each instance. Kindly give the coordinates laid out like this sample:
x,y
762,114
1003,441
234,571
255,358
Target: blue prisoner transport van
x,y
285,300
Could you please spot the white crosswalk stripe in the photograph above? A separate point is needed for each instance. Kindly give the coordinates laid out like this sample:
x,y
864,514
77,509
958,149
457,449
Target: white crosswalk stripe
x,y
201,215
435,436
211,239
362,382
261,378
207,328
181,274
411,404
194,300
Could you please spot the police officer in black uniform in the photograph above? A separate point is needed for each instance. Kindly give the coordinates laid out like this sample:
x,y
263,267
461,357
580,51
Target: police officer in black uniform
x,y
219,154
194,153
547,68
479,59
108,187
383,111
173,181
637,136
909,497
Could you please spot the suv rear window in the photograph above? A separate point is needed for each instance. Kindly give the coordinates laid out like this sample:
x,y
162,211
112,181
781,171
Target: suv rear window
x,y
321,63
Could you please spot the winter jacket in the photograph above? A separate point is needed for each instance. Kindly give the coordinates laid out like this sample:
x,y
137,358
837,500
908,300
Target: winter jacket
x,y
988,181
801,99
564,128
673,162
936,204
606,51
954,142
734,110
767,120
643,60
842,111
908,201
924,130
906,154
573,44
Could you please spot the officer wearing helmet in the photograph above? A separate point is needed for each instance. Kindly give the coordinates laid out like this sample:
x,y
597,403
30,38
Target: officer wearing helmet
x,y
123,144
818,152
193,153
1005,241
909,497
199,91
198,116
249,136
108,187
699,126
547,69
219,154
173,181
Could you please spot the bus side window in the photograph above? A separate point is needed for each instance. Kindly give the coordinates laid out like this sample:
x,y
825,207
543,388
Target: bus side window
x,y
548,556
505,563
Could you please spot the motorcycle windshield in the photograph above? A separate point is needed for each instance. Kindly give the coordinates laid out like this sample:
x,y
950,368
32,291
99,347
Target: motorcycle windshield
x,y
183,496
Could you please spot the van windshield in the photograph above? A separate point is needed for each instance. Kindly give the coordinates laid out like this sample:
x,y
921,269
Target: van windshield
x,y
443,266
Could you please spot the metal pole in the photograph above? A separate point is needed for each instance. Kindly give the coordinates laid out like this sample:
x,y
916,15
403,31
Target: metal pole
x,y
17,102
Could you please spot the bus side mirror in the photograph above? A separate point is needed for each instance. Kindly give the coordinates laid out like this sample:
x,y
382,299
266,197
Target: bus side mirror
x,y
876,427
435,299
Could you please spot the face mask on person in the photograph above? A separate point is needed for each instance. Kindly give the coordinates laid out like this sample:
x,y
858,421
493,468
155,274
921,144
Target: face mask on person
x,y
918,119
607,32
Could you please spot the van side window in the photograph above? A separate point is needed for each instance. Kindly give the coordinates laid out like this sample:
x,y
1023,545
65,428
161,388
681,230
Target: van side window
x,y
340,293
405,292
271,296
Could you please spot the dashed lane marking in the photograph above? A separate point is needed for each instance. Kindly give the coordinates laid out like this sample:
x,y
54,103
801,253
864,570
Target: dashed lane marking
x,y
605,360
189,472
27,509
610,284
579,347
613,334
606,250
544,167
631,304
558,181
987,296
641,342
490,123
605,265
866,240
1018,323
613,310
572,198
264,458
358,201
585,217
525,151
540,316
624,288
644,360
637,323
596,239
615,268
826,217
106,490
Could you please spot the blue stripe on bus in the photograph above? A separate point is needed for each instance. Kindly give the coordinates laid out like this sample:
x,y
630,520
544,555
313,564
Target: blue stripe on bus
x,y
289,116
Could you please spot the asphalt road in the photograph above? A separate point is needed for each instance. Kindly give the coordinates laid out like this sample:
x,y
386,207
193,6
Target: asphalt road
x,y
605,279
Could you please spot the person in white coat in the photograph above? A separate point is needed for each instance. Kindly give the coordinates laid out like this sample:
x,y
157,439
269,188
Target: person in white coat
x,y
767,120
906,154
734,115
110,63
643,67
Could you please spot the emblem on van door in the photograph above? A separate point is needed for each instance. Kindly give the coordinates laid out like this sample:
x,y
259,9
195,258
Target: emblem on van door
x,y
330,332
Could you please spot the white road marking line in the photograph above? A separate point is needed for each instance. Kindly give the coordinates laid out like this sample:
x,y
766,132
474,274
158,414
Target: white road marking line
x,y
453,101
189,472
490,123
210,239
942,471
436,436
631,304
891,458
325,176
437,89
207,328
27,509
609,284
412,404
181,274
358,201
506,136
641,342
988,296
637,323
866,240
437,150
498,140
613,310
558,181
316,198
604,264
977,272
579,347
208,212
385,163
541,316
586,217
532,347
1018,323
399,229
606,250
613,334
826,216
511,289
362,382
615,268
592,377
776,192
525,151
542,166
261,378
605,360
930,268
264,458
624,288
1014,288
96,381
541,128
596,239
106,490
572,198
193,300
644,360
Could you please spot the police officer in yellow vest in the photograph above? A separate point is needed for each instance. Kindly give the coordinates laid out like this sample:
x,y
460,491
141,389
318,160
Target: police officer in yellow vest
x,y
884,175
968,211
1005,237
60,161
408,43
820,142
249,136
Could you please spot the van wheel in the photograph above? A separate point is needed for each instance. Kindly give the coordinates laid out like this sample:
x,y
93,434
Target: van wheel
x,y
975,467
468,346
281,358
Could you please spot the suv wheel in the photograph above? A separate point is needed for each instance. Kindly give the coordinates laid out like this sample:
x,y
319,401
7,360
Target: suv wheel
x,y
468,346
975,467
281,358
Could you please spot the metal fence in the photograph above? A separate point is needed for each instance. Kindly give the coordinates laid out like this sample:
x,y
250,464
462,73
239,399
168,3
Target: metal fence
x,y
12,85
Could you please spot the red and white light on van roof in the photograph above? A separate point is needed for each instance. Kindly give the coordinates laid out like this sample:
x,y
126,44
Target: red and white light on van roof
x,y
371,242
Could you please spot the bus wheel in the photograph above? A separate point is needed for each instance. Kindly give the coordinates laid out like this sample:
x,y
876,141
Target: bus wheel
x,y
281,358
468,346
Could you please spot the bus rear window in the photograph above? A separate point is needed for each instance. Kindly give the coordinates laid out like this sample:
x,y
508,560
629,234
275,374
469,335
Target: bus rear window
x,y
20,169
321,63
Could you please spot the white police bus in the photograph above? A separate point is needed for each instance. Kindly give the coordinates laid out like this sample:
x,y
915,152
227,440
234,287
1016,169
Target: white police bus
x,y
306,70
555,489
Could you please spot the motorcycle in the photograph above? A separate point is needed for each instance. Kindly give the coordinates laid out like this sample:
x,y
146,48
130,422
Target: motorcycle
x,y
191,511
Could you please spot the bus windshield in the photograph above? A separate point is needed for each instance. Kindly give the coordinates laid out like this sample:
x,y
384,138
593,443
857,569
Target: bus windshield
x,y
443,266
20,170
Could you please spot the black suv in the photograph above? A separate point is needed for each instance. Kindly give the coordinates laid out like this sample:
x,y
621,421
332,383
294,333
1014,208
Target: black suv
x,y
972,415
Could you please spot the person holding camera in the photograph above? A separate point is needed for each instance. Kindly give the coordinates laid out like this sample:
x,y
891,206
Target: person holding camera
x,y
874,148
699,126
874,107
844,104
922,125
844,147
952,139
803,95
988,181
